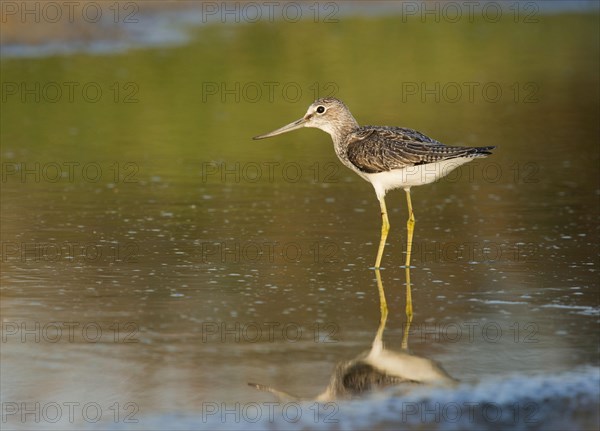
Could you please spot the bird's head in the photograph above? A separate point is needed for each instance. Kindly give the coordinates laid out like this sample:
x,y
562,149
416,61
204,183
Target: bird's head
x,y
329,114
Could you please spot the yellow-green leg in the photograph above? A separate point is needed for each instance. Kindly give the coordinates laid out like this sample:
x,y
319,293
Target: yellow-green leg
x,y
409,308
406,331
383,307
410,227
385,228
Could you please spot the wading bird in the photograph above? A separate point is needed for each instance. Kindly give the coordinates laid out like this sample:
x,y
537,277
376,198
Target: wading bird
x,y
388,157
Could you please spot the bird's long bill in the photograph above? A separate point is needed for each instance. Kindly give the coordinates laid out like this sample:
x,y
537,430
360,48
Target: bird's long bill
x,y
288,128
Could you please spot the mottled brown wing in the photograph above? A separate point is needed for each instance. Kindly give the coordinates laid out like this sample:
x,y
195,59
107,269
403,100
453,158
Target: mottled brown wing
x,y
396,134
381,149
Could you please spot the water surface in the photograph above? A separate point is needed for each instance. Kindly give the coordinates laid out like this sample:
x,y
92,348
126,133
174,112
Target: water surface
x,y
155,257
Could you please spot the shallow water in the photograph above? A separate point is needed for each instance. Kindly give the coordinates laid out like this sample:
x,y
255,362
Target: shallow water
x,y
155,259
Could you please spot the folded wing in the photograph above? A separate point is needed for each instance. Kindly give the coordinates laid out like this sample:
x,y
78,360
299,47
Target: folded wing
x,y
375,149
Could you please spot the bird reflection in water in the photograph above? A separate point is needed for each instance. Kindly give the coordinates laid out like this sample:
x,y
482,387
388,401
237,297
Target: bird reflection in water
x,y
378,368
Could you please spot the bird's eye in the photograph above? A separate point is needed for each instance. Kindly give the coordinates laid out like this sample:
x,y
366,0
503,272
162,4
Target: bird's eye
x,y
320,109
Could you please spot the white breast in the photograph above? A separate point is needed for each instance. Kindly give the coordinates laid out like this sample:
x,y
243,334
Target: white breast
x,y
413,175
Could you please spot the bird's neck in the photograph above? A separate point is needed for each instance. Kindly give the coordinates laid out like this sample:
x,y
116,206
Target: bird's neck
x,y
340,128
340,144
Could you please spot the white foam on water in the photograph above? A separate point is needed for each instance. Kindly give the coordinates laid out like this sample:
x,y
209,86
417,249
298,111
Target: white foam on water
x,y
558,401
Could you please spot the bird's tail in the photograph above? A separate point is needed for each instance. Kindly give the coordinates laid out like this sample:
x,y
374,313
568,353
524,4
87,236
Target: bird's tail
x,y
485,150
482,151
